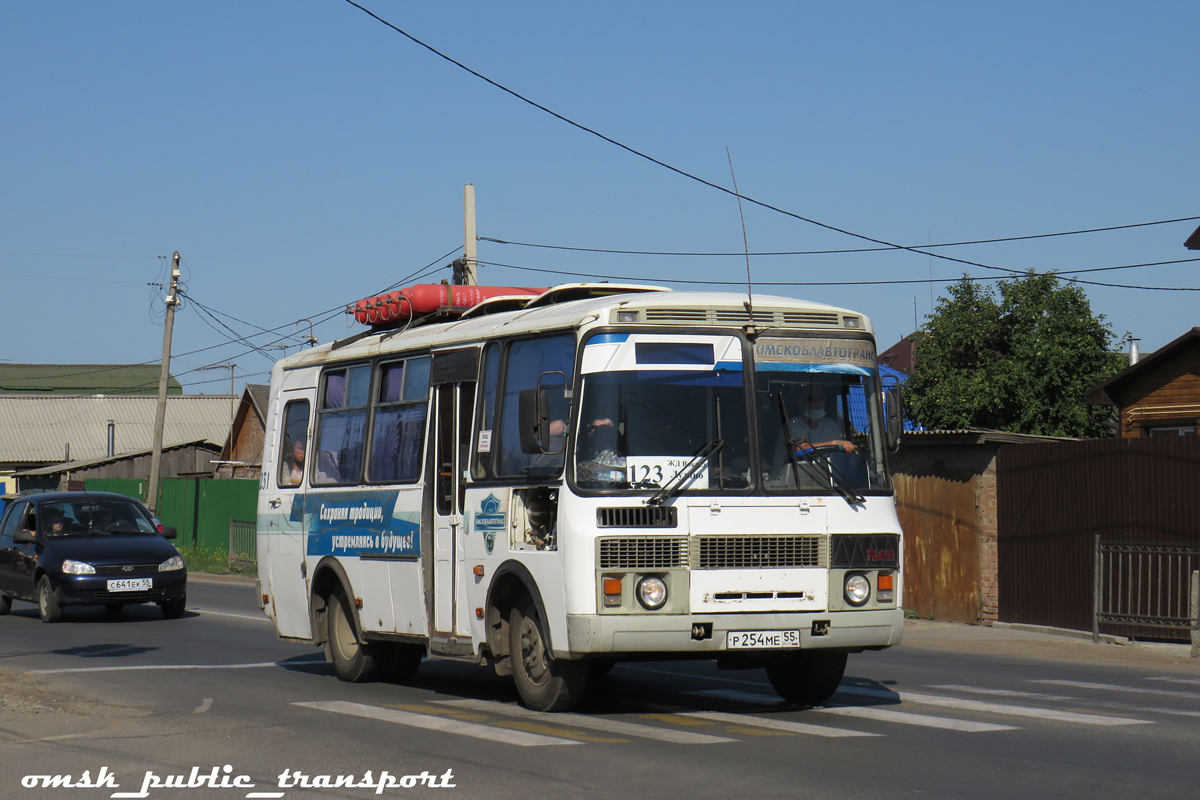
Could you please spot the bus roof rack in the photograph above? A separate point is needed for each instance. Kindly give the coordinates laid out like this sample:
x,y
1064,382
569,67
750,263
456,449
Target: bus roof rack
x,y
567,292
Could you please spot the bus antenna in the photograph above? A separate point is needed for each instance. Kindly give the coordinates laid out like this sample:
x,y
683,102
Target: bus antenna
x,y
751,331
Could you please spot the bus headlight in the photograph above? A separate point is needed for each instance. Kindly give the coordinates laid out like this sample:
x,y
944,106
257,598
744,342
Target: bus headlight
x,y
652,593
857,589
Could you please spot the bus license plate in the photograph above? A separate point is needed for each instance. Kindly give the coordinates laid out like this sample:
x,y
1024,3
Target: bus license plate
x,y
740,640
131,585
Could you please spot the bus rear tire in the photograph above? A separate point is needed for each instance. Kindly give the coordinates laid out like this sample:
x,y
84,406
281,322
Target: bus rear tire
x,y
544,683
808,677
352,661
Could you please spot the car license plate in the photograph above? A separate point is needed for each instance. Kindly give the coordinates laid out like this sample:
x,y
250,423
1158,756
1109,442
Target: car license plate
x,y
131,585
740,640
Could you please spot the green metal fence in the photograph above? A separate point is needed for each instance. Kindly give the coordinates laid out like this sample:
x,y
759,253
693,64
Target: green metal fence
x,y
198,508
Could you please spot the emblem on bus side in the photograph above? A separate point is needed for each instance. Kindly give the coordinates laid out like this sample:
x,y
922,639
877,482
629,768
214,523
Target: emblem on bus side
x,y
489,521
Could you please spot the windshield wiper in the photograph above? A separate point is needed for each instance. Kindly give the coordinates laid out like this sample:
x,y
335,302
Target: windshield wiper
x,y
685,475
823,471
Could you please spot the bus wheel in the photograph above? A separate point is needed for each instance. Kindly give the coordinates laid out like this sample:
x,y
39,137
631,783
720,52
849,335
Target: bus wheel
x,y
402,661
352,661
544,683
809,676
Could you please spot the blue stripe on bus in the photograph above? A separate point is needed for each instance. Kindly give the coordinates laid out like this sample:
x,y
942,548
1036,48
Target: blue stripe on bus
x,y
608,338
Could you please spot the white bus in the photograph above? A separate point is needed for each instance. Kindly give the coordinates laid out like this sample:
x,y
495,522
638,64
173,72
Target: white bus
x,y
552,484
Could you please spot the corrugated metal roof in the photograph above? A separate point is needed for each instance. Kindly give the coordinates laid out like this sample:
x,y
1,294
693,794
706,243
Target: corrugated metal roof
x,y
36,429
77,379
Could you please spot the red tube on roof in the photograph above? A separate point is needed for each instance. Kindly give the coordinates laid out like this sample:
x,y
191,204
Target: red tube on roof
x,y
428,298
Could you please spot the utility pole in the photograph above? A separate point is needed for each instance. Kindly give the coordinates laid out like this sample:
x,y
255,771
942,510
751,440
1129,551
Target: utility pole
x,y
160,415
232,397
472,262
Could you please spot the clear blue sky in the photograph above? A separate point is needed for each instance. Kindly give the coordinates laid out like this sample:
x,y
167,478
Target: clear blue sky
x,y
301,155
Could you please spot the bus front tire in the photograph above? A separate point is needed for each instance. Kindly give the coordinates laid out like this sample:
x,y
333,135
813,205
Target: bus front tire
x,y
352,661
808,677
544,683
401,661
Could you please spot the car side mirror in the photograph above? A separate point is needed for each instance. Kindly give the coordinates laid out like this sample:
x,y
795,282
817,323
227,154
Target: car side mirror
x,y
24,537
168,532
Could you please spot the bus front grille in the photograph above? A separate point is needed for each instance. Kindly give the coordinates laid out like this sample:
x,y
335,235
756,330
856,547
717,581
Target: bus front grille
x,y
644,552
757,552
638,517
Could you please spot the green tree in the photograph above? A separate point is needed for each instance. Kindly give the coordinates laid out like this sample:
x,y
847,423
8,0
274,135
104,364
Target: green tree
x,y
1020,362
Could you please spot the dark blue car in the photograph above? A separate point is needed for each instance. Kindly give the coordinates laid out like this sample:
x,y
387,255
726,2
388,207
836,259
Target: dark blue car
x,y
87,548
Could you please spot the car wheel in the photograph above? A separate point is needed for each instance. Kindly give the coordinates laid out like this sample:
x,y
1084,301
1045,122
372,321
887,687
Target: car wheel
x,y
173,609
808,677
352,661
5,604
544,682
48,607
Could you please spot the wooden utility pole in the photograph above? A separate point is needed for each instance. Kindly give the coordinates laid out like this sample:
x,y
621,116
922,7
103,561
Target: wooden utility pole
x,y
160,414
469,234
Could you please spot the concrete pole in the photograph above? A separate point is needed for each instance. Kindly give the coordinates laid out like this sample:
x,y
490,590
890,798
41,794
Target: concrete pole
x,y
469,234
160,414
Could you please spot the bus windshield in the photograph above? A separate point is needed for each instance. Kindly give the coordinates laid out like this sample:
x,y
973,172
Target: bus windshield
x,y
819,419
639,429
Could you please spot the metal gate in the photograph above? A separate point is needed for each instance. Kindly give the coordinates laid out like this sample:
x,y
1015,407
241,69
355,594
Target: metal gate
x,y
1146,584
243,544
1055,499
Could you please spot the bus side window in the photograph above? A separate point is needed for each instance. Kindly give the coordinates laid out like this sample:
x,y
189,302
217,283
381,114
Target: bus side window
x,y
398,429
525,363
489,386
342,425
293,446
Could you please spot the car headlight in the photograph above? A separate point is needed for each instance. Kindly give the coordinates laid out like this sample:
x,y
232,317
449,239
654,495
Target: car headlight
x,y
174,562
858,589
652,593
71,567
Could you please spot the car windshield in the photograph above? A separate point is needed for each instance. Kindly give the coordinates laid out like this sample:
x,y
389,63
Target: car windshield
x,y
84,517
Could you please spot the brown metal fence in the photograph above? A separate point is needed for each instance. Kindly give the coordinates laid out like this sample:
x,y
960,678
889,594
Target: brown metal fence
x,y
1055,499
243,544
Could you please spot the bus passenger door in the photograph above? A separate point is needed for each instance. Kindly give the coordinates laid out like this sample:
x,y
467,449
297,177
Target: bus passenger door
x,y
454,405
284,492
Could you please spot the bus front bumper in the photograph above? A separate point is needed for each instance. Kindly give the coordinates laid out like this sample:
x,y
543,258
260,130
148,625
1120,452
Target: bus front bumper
x,y
700,635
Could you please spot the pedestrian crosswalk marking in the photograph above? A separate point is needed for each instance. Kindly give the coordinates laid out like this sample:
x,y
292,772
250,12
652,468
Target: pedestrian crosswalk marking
x,y
1128,689
868,712
436,723
907,718
993,708
953,687
602,724
744,720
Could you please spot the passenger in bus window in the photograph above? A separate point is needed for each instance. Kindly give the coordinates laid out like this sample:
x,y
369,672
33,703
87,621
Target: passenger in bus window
x,y
296,473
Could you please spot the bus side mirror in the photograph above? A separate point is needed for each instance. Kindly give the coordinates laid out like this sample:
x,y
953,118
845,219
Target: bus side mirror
x,y
533,420
893,407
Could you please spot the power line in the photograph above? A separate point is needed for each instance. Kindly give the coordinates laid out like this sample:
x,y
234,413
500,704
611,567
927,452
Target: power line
x,y
1061,276
840,250
677,170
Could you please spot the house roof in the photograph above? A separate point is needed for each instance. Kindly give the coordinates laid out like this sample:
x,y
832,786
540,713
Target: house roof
x,y
1108,393
902,355
260,394
72,466
126,379
1193,241
36,429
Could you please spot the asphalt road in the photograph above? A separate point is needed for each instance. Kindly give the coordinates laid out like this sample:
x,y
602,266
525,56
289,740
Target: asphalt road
x,y
954,712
